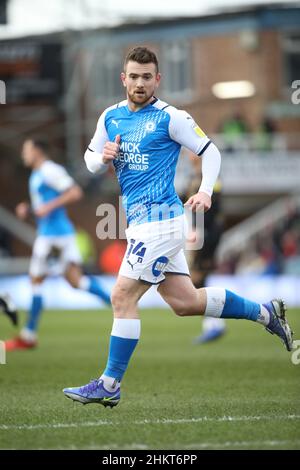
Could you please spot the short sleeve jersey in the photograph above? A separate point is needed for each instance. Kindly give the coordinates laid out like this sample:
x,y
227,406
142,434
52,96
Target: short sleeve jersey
x,y
47,183
151,139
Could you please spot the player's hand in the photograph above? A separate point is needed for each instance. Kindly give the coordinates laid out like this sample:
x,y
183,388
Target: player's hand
x,y
43,210
199,202
22,210
111,150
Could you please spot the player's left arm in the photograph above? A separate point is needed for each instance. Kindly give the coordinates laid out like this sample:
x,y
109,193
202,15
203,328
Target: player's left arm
x,y
57,178
186,132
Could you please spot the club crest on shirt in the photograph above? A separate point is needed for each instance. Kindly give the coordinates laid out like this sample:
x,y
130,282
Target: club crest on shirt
x,y
150,126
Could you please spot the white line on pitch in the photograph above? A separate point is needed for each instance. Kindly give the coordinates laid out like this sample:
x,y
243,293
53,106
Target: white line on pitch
x,y
98,423
194,446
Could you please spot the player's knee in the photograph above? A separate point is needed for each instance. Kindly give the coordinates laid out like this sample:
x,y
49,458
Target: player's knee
x,y
73,275
73,279
73,282
119,298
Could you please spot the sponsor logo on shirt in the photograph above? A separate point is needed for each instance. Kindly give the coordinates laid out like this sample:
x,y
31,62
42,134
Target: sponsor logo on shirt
x,y
130,153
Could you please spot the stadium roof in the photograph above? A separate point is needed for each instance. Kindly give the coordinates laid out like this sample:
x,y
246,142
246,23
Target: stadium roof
x,y
33,17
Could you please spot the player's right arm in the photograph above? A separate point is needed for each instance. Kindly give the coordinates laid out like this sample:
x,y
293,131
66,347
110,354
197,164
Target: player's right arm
x,y
69,196
101,151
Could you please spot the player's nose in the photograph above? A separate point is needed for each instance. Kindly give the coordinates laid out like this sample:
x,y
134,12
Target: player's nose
x,y
140,83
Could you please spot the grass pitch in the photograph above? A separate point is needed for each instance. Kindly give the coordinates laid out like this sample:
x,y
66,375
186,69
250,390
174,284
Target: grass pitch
x,y
241,392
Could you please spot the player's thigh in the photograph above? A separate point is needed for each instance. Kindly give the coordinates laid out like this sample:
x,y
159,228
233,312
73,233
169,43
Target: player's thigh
x,y
126,293
177,284
38,262
179,292
176,287
70,251
41,247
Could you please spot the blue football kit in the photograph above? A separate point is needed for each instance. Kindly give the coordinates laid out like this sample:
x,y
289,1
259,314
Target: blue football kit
x,y
151,139
45,184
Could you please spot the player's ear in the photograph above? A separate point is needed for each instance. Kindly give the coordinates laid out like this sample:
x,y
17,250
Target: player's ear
x,y
123,78
158,78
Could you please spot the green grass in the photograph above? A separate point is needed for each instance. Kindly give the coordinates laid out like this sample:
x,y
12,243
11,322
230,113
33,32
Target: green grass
x,y
241,392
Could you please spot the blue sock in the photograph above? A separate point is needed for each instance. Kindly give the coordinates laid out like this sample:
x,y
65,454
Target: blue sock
x,y
120,348
95,288
225,304
90,284
120,352
34,312
239,307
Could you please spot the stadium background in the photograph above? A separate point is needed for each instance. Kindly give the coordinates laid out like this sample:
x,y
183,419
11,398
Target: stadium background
x,y
236,70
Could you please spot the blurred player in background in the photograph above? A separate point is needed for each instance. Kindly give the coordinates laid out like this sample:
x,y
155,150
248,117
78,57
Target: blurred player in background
x,y
142,137
8,308
51,189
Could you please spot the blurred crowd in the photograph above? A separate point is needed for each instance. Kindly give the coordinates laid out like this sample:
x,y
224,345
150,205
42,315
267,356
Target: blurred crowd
x,y
274,251
235,134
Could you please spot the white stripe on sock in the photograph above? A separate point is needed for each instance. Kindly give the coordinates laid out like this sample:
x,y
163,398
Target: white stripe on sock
x,y
37,289
84,283
126,328
28,335
110,383
216,297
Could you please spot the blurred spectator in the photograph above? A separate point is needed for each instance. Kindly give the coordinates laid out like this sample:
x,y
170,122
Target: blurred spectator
x,y
112,256
264,137
234,130
86,246
289,244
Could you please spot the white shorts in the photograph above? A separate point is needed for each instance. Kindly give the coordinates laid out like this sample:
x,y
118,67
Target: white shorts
x,y
154,249
51,255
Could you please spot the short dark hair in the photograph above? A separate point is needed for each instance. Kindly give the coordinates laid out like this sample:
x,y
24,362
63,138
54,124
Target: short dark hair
x,y
141,55
41,143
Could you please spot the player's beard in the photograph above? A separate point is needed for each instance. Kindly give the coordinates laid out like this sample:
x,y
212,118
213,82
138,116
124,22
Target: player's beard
x,y
140,99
